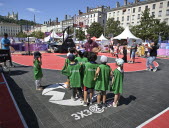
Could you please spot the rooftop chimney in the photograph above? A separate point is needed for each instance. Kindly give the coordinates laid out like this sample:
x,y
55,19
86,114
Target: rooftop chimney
x,y
87,9
65,17
117,5
125,2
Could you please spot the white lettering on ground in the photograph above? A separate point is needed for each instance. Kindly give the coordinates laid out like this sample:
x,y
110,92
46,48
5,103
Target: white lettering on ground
x,y
58,97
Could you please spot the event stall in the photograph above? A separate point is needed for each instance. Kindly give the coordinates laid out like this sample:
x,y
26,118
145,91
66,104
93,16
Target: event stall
x,y
127,35
52,35
104,43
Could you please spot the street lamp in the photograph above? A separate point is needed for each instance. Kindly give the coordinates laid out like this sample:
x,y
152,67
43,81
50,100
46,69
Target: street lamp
x,y
29,53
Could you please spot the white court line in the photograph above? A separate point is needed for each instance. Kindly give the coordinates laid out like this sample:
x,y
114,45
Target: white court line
x,y
151,119
16,106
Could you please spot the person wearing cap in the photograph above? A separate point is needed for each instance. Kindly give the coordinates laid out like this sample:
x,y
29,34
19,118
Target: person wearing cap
x,y
37,69
117,81
67,62
5,44
74,74
102,77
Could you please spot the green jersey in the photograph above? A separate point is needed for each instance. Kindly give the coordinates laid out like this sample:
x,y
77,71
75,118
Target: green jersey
x,y
89,73
74,75
64,70
102,82
117,86
37,70
82,60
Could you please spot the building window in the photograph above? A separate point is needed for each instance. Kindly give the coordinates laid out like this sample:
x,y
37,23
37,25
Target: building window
x,y
94,15
109,14
113,13
153,13
161,5
134,10
154,6
139,9
128,11
128,18
91,15
132,17
132,22
146,7
138,16
167,12
118,13
168,4
123,18
117,18
160,13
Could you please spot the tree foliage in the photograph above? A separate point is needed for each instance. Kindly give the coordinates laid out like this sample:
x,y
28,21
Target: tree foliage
x,y
150,28
21,35
80,34
38,34
113,27
95,29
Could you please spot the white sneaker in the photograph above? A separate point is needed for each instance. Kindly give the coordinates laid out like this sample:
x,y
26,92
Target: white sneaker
x,y
73,98
155,69
148,69
114,105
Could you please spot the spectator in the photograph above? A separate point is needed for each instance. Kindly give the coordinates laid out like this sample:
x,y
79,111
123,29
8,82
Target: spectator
x,y
133,52
153,54
5,44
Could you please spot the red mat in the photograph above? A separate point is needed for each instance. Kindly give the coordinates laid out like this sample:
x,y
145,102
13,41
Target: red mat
x,y
9,117
54,62
159,121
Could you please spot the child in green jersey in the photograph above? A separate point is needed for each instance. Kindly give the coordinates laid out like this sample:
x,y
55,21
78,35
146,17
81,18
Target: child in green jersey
x,y
81,59
74,73
88,80
67,62
117,81
37,69
102,78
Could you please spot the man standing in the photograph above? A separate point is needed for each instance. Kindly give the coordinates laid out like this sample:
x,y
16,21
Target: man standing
x,y
90,44
5,43
153,54
133,52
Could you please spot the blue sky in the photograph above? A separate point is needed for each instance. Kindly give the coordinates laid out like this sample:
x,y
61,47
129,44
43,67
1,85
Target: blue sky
x,y
46,9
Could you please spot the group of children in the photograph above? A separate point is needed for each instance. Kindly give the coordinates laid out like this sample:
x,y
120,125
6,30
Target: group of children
x,y
84,76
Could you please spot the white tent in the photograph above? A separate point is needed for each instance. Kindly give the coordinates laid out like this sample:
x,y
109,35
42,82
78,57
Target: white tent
x,y
65,35
126,34
101,38
52,35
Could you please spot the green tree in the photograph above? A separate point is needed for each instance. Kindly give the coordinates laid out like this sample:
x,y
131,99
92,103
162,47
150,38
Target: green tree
x,y
150,28
95,29
21,35
113,27
80,34
38,34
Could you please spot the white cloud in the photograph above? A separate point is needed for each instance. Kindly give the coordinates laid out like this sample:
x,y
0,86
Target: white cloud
x,y
32,10
1,4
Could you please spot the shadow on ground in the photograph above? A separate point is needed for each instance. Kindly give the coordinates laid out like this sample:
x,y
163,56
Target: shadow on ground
x,y
25,108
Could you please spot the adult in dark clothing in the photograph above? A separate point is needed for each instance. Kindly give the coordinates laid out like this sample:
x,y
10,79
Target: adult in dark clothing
x,y
90,44
124,54
153,54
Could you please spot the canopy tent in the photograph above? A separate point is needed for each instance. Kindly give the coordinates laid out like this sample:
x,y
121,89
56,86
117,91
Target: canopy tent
x,y
65,35
94,38
52,35
102,38
126,34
